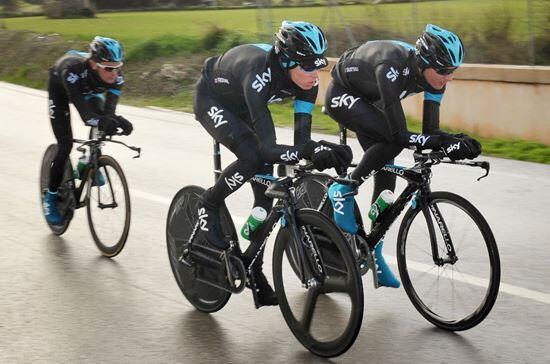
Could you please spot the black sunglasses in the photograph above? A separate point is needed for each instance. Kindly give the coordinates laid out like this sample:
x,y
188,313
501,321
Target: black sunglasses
x,y
308,67
445,71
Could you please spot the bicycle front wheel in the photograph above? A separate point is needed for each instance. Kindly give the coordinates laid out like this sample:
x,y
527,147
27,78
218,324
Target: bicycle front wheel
x,y
108,206
327,316
452,291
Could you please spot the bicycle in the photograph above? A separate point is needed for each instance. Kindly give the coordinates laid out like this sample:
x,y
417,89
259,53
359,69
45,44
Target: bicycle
x,y
440,252
103,192
208,276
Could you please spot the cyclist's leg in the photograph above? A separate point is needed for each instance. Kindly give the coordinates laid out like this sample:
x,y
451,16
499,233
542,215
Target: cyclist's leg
x,y
61,125
369,123
229,129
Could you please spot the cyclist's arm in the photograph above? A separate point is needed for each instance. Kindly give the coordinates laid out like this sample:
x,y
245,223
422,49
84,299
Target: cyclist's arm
x,y
113,95
73,85
303,109
430,114
389,84
262,123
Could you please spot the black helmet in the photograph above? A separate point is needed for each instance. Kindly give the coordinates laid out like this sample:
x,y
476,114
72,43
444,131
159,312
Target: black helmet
x,y
303,43
439,48
106,50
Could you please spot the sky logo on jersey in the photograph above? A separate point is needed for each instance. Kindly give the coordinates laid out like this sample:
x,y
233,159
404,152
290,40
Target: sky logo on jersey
x,y
392,74
343,100
72,78
202,219
234,181
419,139
216,116
262,80
290,157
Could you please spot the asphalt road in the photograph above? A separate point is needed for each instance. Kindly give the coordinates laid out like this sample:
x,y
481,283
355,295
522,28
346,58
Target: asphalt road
x,y
61,301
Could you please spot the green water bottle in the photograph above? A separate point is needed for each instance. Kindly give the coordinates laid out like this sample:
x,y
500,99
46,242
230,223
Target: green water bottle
x,y
256,218
82,162
383,201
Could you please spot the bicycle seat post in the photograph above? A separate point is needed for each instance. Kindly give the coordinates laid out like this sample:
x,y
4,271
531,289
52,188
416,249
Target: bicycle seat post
x,y
343,134
217,160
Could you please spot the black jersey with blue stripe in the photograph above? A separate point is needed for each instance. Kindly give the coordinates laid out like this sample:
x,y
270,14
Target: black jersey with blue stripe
x,y
81,84
384,72
247,78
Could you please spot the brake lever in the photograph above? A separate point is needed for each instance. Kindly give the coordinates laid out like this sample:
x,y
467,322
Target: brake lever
x,y
486,166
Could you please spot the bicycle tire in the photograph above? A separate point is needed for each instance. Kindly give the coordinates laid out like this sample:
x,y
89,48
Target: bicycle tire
x,y
107,245
342,271
412,282
66,199
182,217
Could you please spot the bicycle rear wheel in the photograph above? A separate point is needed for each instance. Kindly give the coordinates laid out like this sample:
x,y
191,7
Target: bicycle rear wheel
x,y
325,318
182,219
108,206
65,192
456,294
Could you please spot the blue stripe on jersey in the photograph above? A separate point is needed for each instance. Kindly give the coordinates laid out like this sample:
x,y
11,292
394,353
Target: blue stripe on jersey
x,y
114,91
410,47
433,97
78,53
265,47
91,96
303,107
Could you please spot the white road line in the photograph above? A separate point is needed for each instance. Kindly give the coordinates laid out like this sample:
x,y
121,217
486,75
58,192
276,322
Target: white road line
x,y
466,278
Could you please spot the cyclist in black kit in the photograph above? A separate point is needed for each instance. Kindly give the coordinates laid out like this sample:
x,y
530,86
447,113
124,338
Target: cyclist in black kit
x,y
231,103
92,82
368,84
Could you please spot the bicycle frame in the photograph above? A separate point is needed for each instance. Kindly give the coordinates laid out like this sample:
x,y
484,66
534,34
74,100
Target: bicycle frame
x,y
282,211
94,145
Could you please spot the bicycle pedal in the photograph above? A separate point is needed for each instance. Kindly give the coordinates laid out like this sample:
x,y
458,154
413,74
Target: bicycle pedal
x,y
251,283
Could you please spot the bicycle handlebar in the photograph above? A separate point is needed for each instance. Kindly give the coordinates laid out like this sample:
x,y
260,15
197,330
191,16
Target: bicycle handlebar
x,y
102,137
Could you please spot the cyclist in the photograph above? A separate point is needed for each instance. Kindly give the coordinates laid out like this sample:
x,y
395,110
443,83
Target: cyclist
x,y
231,103
368,84
92,82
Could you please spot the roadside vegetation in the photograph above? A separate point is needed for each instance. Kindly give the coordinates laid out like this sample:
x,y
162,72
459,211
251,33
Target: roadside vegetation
x,y
165,50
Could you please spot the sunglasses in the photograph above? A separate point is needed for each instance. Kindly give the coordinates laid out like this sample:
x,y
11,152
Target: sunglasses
x,y
308,68
110,68
445,71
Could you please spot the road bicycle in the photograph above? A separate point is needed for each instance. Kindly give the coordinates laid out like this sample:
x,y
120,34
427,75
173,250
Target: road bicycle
x,y
324,283
446,253
102,189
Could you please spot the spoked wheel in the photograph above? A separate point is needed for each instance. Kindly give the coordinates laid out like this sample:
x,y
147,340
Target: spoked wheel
x,y
108,206
326,317
454,293
182,219
65,200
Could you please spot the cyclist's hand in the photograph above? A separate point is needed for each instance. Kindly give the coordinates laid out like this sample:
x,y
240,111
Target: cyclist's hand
x,y
125,125
108,124
343,153
455,148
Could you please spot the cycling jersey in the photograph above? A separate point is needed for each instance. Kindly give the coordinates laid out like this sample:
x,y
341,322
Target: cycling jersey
x,y
73,76
383,73
243,81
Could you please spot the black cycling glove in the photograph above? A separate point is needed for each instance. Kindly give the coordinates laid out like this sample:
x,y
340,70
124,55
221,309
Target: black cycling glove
x,y
108,124
125,125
